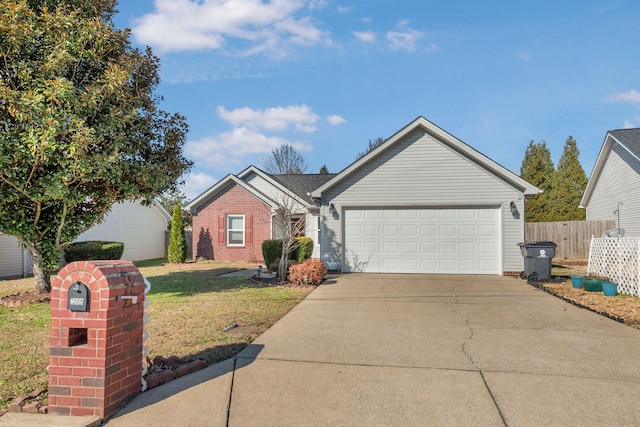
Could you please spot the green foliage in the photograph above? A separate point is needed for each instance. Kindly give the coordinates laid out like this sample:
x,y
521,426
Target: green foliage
x,y
80,127
303,248
271,249
173,197
537,169
568,184
177,242
309,272
93,250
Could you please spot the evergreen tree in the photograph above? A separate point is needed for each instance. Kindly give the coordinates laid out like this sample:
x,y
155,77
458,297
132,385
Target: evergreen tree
x,y
537,169
568,184
177,242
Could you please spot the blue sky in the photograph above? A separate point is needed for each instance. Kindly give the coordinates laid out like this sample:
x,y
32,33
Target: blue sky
x,y
326,76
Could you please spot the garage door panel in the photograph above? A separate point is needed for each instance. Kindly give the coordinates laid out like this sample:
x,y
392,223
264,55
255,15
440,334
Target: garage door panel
x,y
422,240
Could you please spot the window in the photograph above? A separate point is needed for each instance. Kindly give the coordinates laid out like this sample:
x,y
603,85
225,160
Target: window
x,y
235,230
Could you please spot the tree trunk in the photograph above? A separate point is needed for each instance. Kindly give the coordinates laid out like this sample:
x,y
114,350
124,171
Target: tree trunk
x,y
283,266
43,280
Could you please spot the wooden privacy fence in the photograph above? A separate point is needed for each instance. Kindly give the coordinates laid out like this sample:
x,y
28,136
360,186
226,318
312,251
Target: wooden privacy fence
x,y
572,237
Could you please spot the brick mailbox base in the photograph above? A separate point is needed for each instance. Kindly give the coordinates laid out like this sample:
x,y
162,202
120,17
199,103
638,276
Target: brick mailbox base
x,y
95,363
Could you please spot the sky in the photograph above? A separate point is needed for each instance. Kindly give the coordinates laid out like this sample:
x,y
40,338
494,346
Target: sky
x,y
328,76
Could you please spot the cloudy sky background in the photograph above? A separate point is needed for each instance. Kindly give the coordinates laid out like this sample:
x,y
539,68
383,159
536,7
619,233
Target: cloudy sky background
x,y
326,76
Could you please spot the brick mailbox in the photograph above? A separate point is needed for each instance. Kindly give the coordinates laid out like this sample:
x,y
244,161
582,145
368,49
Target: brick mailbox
x,y
95,362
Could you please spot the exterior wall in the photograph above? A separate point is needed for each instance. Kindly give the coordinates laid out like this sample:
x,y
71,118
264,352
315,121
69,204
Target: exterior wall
x,y
141,228
619,181
12,258
421,171
209,240
278,196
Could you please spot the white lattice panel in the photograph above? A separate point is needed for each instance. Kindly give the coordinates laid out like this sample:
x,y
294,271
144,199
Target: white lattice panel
x,y
617,259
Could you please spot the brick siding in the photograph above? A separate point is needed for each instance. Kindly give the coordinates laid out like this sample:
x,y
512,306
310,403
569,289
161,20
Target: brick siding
x,y
209,226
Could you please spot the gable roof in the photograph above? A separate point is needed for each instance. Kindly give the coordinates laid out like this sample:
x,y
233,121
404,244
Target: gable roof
x,y
304,184
229,179
628,139
441,135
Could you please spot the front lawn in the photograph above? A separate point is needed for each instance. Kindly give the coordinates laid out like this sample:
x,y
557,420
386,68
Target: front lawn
x,y
190,306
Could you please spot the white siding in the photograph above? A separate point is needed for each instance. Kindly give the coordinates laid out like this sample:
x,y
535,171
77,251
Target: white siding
x,y
12,258
141,228
421,171
619,181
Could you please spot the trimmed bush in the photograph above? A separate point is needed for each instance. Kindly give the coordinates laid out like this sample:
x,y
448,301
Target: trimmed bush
x,y
308,272
177,243
304,249
93,250
271,249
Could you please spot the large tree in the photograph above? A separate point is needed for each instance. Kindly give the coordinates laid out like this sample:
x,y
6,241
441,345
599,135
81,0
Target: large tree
x,y
537,169
370,147
80,124
285,159
568,184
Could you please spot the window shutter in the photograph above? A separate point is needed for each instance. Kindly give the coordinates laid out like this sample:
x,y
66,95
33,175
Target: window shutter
x,y
248,238
222,229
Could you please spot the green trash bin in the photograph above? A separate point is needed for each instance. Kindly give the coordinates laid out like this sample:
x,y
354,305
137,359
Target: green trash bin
x,y
537,260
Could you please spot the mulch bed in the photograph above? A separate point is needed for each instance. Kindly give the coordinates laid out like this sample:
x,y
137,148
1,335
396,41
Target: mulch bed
x,y
622,308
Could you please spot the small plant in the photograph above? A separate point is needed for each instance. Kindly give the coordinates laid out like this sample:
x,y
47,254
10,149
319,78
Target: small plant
x,y
308,272
93,250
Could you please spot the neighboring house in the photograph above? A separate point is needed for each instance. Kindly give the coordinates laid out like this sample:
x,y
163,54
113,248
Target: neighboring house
x,y
422,202
233,217
614,184
142,229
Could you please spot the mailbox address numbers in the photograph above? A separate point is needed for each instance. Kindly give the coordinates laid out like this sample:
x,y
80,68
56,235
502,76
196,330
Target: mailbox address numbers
x,y
78,298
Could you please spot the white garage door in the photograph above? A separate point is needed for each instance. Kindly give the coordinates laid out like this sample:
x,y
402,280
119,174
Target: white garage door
x,y
422,241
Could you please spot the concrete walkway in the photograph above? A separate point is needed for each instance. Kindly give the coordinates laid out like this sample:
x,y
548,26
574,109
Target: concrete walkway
x,y
415,350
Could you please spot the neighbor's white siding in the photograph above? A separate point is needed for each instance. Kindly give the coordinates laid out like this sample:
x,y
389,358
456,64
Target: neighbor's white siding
x,y
619,181
141,228
420,171
13,258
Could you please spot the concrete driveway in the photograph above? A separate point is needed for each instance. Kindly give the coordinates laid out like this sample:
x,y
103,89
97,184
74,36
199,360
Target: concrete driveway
x,y
368,349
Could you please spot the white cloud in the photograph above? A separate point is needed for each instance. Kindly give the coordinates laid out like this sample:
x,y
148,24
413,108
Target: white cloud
x,y
317,4
629,96
257,26
628,125
365,36
335,120
344,9
228,149
196,183
275,119
524,56
404,40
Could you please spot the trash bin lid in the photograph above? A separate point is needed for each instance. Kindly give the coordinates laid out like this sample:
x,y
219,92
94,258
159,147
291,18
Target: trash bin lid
x,y
541,244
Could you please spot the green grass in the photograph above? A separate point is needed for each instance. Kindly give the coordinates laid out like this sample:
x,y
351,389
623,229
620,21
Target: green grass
x,y
190,305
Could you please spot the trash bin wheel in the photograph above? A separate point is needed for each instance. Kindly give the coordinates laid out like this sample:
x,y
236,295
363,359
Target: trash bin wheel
x,y
523,275
533,277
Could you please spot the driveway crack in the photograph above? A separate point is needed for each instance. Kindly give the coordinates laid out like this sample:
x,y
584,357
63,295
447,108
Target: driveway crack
x,y
464,350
